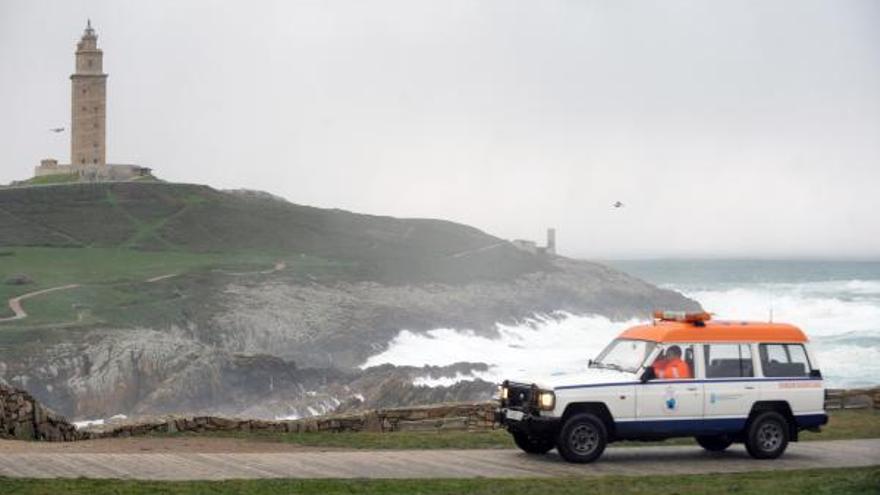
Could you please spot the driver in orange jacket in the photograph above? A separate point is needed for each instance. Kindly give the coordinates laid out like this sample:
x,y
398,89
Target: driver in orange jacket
x,y
670,366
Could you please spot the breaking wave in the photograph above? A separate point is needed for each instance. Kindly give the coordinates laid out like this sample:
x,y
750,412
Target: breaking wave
x,y
538,348
842,318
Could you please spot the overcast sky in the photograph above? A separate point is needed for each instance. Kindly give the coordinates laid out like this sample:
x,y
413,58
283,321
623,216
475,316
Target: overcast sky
x,y
728,128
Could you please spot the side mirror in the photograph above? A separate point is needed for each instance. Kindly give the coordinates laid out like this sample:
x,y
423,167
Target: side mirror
x,y
815,374
648,374
590,363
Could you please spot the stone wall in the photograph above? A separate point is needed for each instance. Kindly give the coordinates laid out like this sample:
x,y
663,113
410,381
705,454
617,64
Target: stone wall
x,y
856,398
23,418
467,417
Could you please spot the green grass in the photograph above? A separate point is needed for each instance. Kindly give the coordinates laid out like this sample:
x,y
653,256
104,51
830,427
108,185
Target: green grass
x,y
50,179
847,424
114,288
187,217
812,482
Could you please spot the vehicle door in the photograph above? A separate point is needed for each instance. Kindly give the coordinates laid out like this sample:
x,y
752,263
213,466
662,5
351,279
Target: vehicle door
x,y
729,386
788,377
669,403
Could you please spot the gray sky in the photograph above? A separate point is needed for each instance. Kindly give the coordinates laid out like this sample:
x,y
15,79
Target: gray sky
x,y
735,128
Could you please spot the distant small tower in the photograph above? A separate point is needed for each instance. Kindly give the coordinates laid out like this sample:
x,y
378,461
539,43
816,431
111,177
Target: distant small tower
x,y
551,241
89,112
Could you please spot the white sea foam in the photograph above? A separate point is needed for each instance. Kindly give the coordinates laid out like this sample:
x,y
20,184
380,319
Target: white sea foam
x,y
88,422
816,307
538,349
842,318
444,381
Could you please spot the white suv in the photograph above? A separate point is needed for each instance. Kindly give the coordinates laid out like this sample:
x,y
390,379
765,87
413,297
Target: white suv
x,y
683,375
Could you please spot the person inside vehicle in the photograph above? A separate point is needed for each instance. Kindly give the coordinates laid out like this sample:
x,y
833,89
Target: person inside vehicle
x,y
670,366
659,363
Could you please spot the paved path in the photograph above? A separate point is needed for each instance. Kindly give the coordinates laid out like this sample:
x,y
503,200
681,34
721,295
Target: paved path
x,y
15,302
427,463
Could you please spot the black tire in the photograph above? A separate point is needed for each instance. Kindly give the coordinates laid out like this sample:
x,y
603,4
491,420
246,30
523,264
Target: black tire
x,y
714,443
767,435
582,439
532,445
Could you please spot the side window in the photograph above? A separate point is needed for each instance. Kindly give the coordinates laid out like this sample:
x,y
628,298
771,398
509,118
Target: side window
x,y
675,362
728,360
784,360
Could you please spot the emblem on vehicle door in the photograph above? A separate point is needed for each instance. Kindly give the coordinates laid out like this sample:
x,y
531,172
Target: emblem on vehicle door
x,y
669,400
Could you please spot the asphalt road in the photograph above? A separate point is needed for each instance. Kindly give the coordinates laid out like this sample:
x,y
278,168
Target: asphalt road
x,y
425,463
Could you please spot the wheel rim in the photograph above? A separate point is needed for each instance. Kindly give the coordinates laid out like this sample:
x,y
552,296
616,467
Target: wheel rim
x,y
583,439
769,436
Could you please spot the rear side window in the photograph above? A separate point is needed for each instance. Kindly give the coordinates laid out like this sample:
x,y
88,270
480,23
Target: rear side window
x,y
784,360
728,360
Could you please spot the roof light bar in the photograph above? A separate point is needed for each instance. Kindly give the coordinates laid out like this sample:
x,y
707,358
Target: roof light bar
x,y
682,316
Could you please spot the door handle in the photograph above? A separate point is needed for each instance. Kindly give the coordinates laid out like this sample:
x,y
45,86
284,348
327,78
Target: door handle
x,y
692,389
750,387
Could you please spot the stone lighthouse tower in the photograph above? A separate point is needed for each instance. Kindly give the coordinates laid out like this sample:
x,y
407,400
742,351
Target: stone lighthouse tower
x,y
88,149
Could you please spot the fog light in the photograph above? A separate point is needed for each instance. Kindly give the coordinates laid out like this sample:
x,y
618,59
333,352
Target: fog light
x,y
546,400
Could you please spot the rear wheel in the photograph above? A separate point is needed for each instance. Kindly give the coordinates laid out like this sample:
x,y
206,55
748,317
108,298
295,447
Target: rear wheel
x,y
767,435
582,438
714,443
532,445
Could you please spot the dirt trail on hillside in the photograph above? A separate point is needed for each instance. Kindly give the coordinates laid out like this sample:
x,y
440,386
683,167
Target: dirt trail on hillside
x,y
18,310
277,267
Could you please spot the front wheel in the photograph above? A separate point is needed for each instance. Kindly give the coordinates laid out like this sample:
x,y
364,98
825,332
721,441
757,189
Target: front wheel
x,y
532,445
714,443
582,438
767,436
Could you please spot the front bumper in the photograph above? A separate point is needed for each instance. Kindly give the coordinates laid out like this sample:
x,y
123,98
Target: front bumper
x,y
523,421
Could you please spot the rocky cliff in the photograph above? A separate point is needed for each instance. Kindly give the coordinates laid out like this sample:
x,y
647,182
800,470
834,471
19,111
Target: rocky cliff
x,y
196,301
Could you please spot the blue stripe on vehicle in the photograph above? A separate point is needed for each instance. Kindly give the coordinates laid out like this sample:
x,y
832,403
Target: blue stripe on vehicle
x,y
685,427
668,382
710,426
811,420
594,385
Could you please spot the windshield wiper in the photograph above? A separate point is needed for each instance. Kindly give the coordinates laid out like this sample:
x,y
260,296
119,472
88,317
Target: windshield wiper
x,y
607,366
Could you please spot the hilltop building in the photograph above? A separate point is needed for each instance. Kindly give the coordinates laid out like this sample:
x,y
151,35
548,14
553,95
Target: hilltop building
x,y
533,247
88,121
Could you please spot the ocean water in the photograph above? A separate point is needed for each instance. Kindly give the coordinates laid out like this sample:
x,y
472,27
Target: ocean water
x,y
836,303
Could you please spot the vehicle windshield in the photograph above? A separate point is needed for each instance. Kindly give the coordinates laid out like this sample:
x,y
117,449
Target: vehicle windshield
x,y
624,355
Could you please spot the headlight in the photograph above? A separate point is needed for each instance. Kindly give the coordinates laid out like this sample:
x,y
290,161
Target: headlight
x,y
546,400
503,392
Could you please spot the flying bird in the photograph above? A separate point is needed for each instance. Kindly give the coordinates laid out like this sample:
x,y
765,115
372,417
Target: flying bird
x,y
617,204
56,129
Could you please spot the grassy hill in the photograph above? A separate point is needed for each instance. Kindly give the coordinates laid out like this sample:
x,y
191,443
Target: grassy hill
x,y
115,238
184,218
